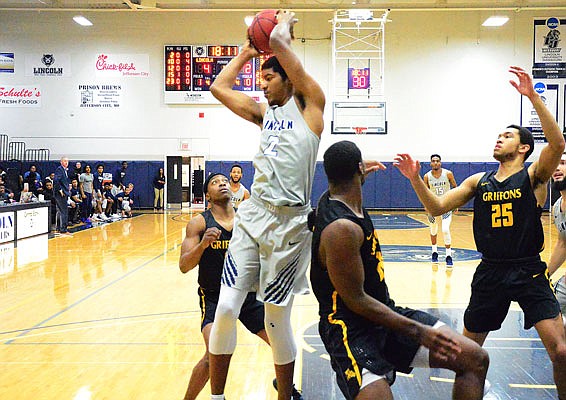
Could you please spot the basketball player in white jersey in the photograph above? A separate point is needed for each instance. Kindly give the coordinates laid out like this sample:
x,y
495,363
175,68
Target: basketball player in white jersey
x,y
239,191
440,181
558,255
271,242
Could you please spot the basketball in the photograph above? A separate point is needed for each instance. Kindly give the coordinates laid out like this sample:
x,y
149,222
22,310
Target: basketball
x,y
260,30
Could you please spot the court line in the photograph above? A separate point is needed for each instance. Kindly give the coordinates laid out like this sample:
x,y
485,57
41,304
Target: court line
x,y
103,320
90,295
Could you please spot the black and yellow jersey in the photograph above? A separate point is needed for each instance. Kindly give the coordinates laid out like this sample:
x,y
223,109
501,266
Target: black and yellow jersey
x,y
212,260
507,218
329,301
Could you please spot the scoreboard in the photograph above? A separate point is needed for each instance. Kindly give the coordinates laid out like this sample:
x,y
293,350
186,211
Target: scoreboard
x,y
191,69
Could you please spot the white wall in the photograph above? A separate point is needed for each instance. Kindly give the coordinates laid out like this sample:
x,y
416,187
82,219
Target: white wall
x,y
446,77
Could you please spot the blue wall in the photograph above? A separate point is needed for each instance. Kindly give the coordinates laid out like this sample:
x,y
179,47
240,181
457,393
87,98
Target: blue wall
x,y
382,190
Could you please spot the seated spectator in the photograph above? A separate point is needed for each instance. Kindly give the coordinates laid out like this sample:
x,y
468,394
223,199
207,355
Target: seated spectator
x,y
33,180
108,200
49,196
6,196
125,202
49,178
75,202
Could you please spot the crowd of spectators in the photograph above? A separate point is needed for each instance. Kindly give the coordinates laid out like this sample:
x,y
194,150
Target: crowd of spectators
x,y
93,196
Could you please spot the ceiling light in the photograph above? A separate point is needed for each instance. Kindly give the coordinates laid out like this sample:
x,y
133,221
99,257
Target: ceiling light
x,y
495,21
79,19
248,19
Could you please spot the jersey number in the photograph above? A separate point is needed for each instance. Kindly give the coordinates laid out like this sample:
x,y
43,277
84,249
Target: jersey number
x,y
501,215
270,149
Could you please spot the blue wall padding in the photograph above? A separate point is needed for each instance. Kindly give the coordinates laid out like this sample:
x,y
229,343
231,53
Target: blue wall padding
x,y
382,190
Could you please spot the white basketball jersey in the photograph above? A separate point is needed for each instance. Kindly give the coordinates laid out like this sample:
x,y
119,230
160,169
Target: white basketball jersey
x,y
439,185
559,218
238,196
285,163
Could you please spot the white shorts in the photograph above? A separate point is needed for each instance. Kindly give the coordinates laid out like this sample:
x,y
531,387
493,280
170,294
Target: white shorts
x,y
126,206
269,252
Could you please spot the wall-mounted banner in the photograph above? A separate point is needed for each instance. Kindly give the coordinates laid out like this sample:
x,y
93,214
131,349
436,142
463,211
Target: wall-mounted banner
x,y
100,96
20,96
48,64
122,65
549,58
529,117
7,63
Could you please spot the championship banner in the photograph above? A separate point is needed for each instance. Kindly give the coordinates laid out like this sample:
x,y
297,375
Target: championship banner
x,y
48,64
549,59
100,96
20,96
529,118
122,65
7,63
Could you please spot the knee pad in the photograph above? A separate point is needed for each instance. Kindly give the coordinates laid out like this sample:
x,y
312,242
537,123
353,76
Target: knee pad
x,y
280,333
446,230
433,228
223,333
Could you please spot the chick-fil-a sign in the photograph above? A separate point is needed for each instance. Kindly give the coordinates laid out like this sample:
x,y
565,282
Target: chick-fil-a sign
x,y
122,65
20,96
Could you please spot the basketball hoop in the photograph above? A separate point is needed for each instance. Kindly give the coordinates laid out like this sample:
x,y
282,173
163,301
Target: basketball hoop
x,y
359,130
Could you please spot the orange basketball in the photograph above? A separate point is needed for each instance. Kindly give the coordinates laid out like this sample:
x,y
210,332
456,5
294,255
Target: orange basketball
x,y
260,30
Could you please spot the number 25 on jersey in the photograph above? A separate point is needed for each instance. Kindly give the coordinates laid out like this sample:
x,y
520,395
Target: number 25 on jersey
x,y
501,215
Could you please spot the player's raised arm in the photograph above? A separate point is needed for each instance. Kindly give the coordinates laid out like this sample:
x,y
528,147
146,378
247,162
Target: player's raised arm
x,y
550,155
308,90
240,103
435,205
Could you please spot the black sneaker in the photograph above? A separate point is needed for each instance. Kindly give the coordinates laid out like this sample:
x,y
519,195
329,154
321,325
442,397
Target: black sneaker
x,y
434,257
295,394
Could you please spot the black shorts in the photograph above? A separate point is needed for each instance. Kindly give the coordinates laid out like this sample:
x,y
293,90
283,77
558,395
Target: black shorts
x,y
251,315
356,343
495,285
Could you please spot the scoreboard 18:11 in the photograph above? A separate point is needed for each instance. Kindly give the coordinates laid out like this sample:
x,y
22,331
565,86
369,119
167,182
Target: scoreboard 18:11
x,y
193,68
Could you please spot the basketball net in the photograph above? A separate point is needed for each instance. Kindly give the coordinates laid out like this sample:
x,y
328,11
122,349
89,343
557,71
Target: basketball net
x,y
358,130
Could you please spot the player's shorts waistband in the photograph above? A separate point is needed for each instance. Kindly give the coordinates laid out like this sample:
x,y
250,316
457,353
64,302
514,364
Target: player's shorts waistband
x,y
284,210
514,261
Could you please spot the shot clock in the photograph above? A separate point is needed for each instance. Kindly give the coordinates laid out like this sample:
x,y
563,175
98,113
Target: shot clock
x,y
191,69
358,78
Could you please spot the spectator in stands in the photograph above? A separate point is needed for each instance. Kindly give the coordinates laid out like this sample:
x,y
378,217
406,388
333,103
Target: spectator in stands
x,y
5,195
49,178
2,174
108,200
14,182
33,179
62,191
126,201
49,196
77,171
119,177
75,202
86,180
158,185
